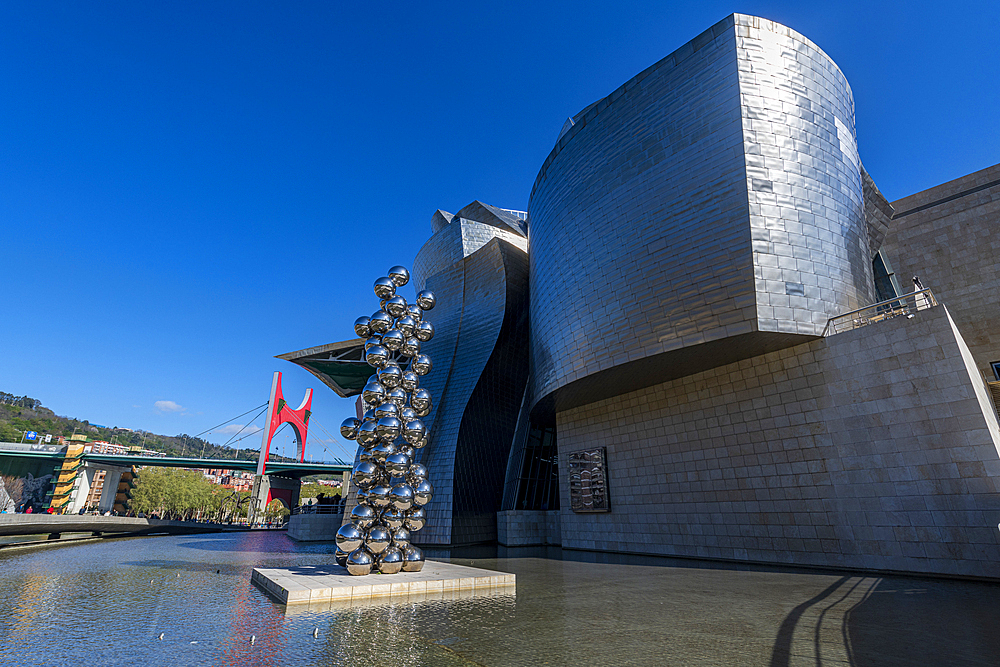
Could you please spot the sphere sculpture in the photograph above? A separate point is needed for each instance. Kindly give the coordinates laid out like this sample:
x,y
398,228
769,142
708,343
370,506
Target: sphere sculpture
x,y
392,488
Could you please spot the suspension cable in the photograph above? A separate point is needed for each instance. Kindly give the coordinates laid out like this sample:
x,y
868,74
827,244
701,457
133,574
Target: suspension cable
x,y
244,428
332,439
230,420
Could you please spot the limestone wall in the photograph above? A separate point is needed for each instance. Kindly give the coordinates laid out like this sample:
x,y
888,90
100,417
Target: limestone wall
x,y
520,528
314,527
868,449
949,235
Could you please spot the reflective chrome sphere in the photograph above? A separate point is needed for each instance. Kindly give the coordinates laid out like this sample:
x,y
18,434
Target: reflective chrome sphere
x,y
420,399
413,559
393,340
378,538
421,364
349,428
413,431
373,393
410,381
378,497
426,299
349,538
416,473
377,356
363,516
382,479
366,434
407,325
390,561
402,497
361,327
382,451
399,275
390,376
396,306
364,474
379,322
359,562
393,518
424,331
422,493
397,464
415,519
384,288
386,409
400,536
410,347
388,428
341,557
389,434
397,396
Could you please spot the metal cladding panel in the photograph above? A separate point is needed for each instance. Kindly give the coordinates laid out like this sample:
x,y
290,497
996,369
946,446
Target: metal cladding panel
x,y
638,222
440,252
811,250
460,238
490,416
473,293
709,210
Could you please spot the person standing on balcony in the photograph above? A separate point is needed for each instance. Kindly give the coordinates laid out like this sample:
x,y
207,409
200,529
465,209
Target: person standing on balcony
x,y
922,301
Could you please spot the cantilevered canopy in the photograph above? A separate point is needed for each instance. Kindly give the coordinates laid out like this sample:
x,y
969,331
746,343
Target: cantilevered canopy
x,y
340,366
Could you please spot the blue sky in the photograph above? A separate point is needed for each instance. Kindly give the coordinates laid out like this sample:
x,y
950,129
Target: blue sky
x,y
187,189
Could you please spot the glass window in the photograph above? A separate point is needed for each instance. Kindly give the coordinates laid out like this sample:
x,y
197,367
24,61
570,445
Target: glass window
x,y
996,370
538,481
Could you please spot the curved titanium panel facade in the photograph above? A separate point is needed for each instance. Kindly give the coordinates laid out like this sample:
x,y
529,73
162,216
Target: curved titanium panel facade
x,y
479,273
708,210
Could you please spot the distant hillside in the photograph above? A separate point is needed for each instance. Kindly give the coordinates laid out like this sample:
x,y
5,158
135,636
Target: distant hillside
x,y
20,413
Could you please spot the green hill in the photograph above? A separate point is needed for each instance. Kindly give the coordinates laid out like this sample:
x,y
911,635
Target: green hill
x,y
21,413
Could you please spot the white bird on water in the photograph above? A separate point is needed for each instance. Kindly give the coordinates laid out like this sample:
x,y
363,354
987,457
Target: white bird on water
x,y
161,636
316,632
253,638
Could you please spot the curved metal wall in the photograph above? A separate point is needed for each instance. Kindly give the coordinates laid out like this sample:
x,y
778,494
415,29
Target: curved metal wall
x,y
812,256
479,274
708,210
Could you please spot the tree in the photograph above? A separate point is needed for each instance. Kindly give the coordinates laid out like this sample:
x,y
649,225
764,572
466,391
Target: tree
x,y
175,492
275,510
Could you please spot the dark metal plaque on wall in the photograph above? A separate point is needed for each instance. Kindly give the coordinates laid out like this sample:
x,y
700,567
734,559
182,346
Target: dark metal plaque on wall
x,y
588,480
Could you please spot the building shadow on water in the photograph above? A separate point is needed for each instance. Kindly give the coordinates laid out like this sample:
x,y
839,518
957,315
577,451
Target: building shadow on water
x,y
844,617
889,621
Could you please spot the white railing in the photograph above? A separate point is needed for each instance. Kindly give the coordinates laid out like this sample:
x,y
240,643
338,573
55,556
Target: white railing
x,y
900,306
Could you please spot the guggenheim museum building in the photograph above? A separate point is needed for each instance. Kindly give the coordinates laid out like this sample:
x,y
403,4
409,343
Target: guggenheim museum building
x,y
711,336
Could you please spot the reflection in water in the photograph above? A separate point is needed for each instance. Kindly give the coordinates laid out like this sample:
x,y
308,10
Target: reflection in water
x,y
105,603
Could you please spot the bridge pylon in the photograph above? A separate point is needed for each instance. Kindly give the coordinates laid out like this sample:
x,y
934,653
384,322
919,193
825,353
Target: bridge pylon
x,y
278,413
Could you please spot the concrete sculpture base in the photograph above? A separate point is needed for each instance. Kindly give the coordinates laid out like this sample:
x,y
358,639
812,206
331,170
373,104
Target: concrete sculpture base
x,y
324,583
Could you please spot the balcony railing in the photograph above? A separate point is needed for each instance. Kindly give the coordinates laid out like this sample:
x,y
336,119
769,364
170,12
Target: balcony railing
x,y
318,509
900,306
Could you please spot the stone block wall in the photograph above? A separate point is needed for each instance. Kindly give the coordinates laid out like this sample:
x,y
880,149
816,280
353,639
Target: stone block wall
x,y
949,235
875,448
528,528
314,527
